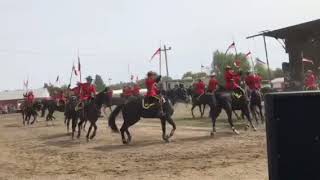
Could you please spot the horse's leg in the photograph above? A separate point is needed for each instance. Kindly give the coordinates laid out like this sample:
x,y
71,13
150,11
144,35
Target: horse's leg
x,y
261,114
95,127
89,130
122,130
202,113
236,114
34,118
163,127
193,106
74,125
253,112
84,125
228,109
246,112
80,126
173,124
200,109
214,113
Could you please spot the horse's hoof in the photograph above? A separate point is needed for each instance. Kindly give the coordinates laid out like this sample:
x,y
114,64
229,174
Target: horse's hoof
x,y
212,134
254,129
124,142
235,131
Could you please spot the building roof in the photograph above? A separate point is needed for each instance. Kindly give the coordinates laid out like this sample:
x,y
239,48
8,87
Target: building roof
x,y
306,29
18,94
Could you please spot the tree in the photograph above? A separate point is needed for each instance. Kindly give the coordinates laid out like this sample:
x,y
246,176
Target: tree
x,y
221,60
195,76
277,73
262,70
100,85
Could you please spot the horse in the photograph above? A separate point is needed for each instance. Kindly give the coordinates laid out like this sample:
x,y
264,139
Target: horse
x,y
29,110
90,111
197,101
135,109
230,102
256,102
52,106
177,95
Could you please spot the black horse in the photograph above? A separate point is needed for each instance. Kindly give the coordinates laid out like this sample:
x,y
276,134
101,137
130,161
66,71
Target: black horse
x,y
230,102
135,109
52,106
256,102
29,110
200,101
177,95
91,111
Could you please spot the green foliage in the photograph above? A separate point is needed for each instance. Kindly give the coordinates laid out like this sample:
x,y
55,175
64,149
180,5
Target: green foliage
x,y
262,70
221,60
195,76
100,85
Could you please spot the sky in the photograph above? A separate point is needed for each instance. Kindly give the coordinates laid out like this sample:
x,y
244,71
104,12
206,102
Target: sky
x,y
40,39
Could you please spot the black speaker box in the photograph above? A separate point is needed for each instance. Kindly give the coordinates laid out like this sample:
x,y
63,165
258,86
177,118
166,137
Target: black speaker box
x,y
293,135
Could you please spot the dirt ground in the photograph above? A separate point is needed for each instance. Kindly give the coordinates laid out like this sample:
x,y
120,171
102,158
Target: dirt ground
x,y
47,152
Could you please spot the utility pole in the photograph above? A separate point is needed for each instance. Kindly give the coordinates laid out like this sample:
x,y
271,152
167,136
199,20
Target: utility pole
x,y
165,49
266,50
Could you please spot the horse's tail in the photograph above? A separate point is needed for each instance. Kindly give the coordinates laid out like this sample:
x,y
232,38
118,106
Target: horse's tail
x,y
112,118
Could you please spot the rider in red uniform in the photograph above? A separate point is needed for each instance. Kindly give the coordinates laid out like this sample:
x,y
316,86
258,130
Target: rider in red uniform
x,y
258,80
212,86
200,88
126,91
136,90
251,81
229,76
29,97
87,90
310,81
153,92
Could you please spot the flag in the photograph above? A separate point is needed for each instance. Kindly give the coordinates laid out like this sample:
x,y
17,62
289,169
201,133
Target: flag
x,y
202,66
79,64
74,70
57,79
258,61
26,83
248,54
305,60
237,63
233,45
132,77
156,53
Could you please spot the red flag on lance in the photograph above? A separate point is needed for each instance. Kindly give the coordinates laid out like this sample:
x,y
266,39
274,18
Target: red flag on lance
x,y
258,61
233,45
305,60
57,79
156,53
74,70
79,64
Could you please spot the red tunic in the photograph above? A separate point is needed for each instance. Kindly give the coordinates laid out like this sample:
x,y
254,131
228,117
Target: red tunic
x,y
200,88
136,90
251,82
310,82
212,84
87,90
152,89
228,76
257,80
30,98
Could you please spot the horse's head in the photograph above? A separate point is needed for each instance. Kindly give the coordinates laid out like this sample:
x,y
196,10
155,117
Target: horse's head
x,y
103,97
